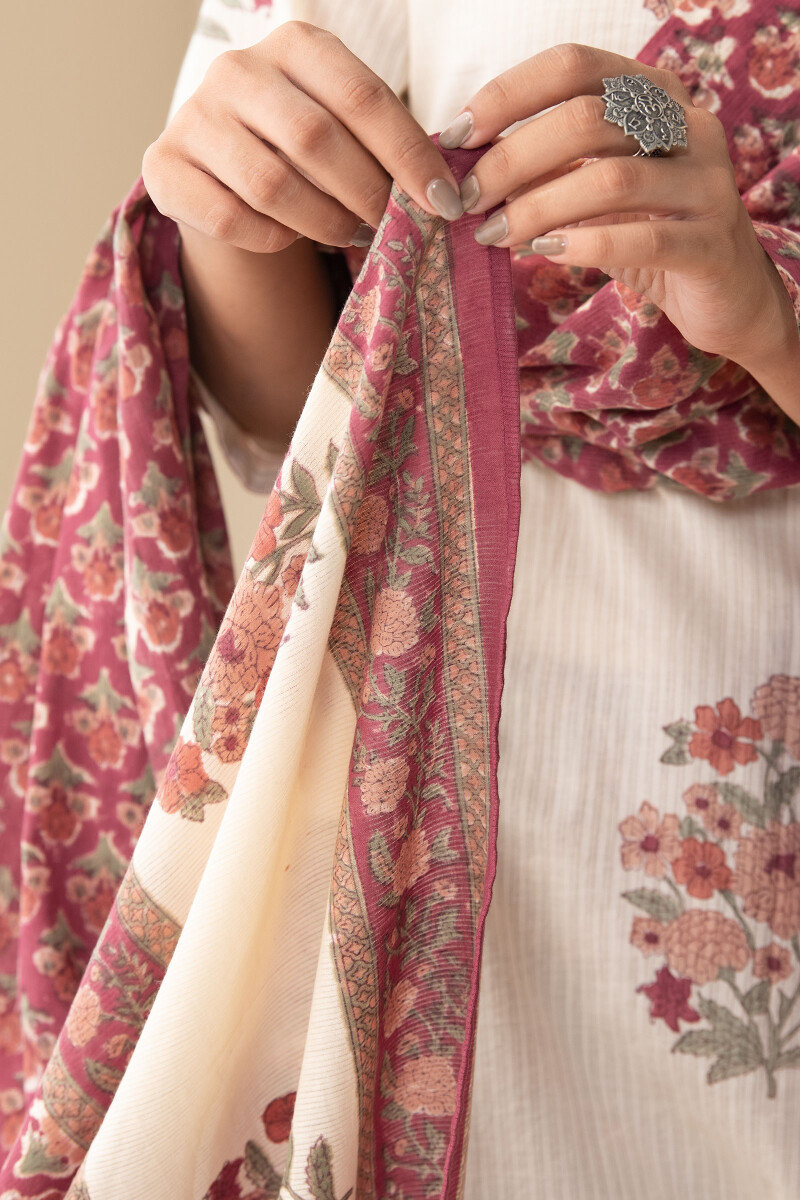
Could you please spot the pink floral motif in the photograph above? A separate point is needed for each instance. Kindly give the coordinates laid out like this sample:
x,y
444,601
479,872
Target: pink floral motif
x,y
648,842
399,1005
772,962
702,869
412,862
767,876
383,785
776,703
395,624
700,941
647,935
426,1084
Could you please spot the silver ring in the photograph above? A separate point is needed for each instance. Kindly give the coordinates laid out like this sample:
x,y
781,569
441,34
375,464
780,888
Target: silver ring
x,y
645,112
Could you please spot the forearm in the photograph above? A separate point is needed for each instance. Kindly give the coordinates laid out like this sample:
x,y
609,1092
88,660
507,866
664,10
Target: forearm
x,y
259,325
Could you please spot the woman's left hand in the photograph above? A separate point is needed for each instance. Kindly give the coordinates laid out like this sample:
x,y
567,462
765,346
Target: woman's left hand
x,y
673,229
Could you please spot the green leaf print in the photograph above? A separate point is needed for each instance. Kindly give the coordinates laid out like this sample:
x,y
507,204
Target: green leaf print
x,y
319,1171
744,802
678,753
380,858
656,904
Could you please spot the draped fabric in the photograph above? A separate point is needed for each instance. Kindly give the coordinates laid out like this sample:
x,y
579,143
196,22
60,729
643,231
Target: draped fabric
x,y
285,988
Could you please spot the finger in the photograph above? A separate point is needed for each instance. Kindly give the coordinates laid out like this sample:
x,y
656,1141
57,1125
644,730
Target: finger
x,y
267,183
663,187
557,74
684,246
321,146
571,131
213,209
316,61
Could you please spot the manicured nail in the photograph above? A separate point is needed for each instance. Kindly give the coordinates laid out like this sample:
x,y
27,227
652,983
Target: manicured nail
x,y
470,192
458,132
363,235
493,230
445,199
549,245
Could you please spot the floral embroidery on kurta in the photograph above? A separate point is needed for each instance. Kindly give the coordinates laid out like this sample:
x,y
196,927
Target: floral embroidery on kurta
x,y
721,890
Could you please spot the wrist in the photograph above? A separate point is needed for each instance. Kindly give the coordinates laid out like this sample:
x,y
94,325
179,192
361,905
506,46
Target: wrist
x,y
773,355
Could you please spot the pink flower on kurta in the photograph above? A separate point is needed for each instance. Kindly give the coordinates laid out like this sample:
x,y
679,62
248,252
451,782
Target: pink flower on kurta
x,y
724,737
777,705
647,935
648,842
277,1117
669,999
412,861
399,1005
700,941
767,876
772,962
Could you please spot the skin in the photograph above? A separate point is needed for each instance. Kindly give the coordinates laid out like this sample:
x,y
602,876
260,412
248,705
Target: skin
x,y
674,229
292,136
292,143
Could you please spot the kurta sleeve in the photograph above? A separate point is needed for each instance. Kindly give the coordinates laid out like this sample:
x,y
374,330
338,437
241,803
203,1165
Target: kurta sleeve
x,y
377,33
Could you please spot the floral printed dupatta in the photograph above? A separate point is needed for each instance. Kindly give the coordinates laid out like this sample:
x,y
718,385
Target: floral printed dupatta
x,y
283,996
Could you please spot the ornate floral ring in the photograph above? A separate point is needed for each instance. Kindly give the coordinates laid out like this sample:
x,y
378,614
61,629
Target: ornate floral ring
x,y
645,112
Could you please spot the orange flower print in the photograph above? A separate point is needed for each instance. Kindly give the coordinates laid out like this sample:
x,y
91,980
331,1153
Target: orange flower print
x,y
724,737
101,577
648,842
772,962
83,1017
702,869
399,1006
427,1085
13,680
412,861
383,785
277,1117
290,575
184,776
175,528
647,935
777,705
231,724
105,744
162,622
61,654
767,876
395,625
700,941
370,525
773,64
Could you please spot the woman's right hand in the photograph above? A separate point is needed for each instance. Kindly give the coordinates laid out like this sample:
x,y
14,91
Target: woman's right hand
x,y
294,135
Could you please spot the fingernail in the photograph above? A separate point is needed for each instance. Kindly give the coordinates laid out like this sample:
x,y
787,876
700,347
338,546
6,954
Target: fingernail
x,y
458,132
470,192
493,230
549,245
363,235
445,199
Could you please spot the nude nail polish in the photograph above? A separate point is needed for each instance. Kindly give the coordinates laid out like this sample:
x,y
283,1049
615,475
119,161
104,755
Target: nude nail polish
x,y
493,230
470,192
445,199
457,132
549,245
363,236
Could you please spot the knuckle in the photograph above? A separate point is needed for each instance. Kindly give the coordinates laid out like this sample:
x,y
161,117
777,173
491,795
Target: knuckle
x,y
312,131
222,222
618,175
658,241
226,69
585,112
496,93
501,160
265,183
363,95
376,196
572,58
604,244
410,152
275,238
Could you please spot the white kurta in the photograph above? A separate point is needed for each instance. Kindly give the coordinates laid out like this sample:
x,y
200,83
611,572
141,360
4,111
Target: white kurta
x,y
629,613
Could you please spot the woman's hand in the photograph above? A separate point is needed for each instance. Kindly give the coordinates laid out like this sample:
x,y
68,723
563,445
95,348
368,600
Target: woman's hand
x,y
674,229
294,135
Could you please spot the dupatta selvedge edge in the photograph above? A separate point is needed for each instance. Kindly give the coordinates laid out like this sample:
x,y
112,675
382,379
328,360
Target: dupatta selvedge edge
x,y
122,351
